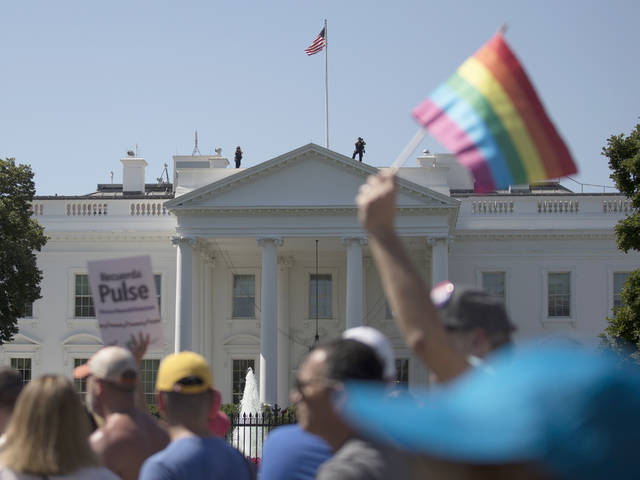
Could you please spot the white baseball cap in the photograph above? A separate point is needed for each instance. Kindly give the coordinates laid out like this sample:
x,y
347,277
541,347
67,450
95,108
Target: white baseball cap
x,y
379,342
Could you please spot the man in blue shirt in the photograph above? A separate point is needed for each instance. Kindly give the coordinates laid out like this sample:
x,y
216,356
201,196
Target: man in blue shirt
x,y
185,398
290,453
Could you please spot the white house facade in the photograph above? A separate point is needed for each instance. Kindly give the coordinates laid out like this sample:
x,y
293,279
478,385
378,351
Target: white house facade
x,y
250,264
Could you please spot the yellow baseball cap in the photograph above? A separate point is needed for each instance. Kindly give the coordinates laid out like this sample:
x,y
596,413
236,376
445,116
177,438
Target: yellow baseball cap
x,y
184,372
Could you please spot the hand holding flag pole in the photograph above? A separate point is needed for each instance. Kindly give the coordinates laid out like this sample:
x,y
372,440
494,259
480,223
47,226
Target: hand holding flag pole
x,y
489,115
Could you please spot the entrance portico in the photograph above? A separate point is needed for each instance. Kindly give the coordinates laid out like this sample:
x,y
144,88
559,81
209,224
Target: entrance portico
x,y
269,252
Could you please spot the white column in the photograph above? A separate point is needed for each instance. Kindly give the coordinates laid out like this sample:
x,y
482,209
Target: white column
x,y
284,368
184,283
207,326
269,320
196,298
355,298
439,260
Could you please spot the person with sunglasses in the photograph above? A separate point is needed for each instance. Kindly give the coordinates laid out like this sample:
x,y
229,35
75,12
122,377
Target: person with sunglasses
x,y
319,382
449,329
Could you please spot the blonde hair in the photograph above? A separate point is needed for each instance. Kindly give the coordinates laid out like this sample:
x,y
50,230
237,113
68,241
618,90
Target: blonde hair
x,y
49,430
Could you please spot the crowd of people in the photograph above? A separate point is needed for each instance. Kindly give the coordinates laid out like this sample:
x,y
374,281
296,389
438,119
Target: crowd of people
x,y
496,410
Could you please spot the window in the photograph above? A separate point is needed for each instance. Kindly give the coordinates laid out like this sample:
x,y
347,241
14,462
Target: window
x,y
494,283
244,296
148,375
559,294
402,372
28,310
321,284
157,278
388,314
23,366
618,282
83,303
238,377
80,383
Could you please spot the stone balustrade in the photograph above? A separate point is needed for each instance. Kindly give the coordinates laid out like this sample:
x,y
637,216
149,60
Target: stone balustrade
x,y
492,207
558,206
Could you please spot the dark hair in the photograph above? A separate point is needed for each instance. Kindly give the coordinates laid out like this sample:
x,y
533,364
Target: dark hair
x,y
10,387
351,360
185,407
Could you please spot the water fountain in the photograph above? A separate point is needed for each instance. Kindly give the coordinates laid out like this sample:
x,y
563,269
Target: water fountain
x,y
249,439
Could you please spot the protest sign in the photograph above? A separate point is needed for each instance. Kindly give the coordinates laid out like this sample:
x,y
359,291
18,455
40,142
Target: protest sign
x,y
124,296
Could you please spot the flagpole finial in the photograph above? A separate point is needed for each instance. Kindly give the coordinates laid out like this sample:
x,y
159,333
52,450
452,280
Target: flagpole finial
x,y
503,29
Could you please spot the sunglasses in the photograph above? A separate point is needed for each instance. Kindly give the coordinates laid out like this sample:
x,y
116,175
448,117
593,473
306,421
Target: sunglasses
x,y
299,385
441,294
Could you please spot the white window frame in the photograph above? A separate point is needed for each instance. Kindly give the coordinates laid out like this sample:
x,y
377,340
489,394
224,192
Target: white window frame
x,y
150,356
239,347
507,280
409,365
72,320
387,308
333,271
611,291
22,347
256,272
545,295
32,321
256,363
161,294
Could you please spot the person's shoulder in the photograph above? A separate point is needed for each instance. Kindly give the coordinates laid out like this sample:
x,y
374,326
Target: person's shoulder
x,y
92,473
359,459
227,455
293,435
155,468
8,474
285,432
117,429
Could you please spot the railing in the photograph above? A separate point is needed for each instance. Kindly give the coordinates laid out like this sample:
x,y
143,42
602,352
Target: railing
x,y
611,206
148,209
491,206
248,432
86,209
558,206
37,209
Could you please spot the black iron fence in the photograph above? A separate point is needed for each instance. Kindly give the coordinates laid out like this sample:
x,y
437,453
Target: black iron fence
x,y
248,432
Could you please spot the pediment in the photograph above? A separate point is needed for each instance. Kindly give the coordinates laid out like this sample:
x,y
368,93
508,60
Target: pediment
x,y
242,339
24,340
308,177
84,339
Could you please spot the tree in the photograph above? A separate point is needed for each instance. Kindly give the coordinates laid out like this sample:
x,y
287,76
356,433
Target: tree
x,y
623,330
20,237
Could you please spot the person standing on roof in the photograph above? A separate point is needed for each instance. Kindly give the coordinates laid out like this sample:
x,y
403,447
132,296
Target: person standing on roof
x,y
238,156
360,143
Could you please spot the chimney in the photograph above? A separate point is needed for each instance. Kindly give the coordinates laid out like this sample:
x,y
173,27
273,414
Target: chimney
x,y
133,174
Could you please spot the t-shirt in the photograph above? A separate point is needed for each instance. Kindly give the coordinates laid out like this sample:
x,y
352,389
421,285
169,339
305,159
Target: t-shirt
x,y
195,458
361,460
290,453
90,473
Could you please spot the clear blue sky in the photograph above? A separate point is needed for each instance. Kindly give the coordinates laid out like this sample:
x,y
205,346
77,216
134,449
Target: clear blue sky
x,y
83,82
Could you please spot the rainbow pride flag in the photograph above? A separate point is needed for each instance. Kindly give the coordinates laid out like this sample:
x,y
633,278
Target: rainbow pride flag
x,y
489,115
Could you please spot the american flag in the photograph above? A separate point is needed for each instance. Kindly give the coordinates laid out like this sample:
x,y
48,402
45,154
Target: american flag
x,y
317,45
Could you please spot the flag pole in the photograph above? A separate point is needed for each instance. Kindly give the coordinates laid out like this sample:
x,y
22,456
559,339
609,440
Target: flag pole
x,y
326,84
408,150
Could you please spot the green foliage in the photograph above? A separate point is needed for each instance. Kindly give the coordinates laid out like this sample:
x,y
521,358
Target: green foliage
x,y
230,408
623,153
622,334
623,331
20,237
153,410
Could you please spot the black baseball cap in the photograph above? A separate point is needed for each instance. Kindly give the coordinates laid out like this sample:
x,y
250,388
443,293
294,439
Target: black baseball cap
x,y
463,308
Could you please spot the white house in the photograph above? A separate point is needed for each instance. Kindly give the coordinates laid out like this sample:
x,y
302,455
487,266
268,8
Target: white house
x,y
250,263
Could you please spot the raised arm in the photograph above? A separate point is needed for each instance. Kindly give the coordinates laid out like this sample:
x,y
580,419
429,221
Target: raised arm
x,y
407,293
138,347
